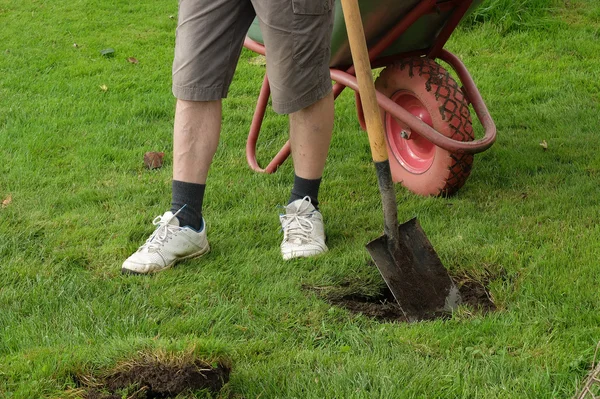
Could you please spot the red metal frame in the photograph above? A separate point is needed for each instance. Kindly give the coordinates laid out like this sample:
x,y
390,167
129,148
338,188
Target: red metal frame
x,y
346,78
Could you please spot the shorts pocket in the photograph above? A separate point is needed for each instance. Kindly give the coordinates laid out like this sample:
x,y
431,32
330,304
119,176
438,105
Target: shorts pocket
x,y
311,7
311,31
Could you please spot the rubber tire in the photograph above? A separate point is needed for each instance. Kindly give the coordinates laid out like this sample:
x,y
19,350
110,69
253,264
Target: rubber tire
x,y
440,94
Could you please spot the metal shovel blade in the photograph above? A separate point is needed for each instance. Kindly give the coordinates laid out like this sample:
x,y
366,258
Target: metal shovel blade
x,y
414,273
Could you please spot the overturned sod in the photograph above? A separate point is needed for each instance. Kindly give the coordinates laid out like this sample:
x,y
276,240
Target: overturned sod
x,y
152,377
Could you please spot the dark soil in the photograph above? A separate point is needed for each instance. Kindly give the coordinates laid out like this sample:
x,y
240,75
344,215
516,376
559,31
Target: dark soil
x,y
383,306
475,295
149,380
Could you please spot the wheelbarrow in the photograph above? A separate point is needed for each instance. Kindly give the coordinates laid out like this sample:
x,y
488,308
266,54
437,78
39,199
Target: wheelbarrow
x,y
425,112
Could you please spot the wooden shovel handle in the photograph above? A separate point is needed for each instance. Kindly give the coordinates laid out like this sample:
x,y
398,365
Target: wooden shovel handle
x,y
364,76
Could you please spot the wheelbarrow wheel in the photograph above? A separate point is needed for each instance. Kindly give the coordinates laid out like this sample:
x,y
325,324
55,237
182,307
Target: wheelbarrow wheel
x,y
426,90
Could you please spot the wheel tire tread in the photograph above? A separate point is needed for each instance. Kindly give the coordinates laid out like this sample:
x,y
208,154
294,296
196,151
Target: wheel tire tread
x,y
452,107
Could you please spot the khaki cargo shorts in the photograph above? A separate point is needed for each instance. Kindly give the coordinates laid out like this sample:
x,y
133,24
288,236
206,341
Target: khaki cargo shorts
x,y
297,36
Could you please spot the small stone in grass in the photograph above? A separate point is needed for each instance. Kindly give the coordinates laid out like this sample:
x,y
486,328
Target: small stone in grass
x,y
153,160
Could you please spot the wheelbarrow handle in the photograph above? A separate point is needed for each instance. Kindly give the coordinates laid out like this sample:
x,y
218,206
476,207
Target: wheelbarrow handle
x,y
417,125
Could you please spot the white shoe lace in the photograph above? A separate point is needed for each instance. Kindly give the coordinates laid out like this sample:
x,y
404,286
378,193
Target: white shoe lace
x,y
297,226
162,233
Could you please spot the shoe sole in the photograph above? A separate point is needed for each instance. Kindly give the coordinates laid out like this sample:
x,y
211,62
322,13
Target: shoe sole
x,y
303,254
198,254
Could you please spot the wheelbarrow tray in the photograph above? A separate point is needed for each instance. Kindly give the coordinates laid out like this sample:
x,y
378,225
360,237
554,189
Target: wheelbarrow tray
x,y
378,17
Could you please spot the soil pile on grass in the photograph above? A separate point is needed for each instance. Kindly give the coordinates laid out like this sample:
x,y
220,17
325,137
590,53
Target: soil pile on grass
x,y
154,379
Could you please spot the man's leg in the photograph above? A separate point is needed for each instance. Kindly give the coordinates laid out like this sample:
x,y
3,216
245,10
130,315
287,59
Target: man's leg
x,y
209,40
297,38
181,233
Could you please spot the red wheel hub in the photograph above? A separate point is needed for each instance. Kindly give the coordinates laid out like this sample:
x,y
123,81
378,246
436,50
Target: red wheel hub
x,y
413,152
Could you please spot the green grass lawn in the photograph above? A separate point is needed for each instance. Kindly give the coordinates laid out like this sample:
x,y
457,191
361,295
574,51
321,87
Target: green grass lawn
x,y
78,201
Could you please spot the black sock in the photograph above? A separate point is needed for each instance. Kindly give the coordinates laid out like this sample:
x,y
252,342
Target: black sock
x,y
191,195
306,188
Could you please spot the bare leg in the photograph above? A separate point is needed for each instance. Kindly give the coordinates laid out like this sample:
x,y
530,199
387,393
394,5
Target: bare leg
x,y
310,135
195,139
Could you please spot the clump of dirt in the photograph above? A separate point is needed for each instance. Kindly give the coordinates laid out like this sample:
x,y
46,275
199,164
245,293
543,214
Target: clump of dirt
x,y
154,160
151,378
382,305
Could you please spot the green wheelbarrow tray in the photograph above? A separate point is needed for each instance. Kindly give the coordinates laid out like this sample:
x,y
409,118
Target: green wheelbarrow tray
x,y
378,17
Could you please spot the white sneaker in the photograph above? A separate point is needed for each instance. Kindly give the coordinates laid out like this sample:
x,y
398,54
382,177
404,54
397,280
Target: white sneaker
x,y
168,245
303,230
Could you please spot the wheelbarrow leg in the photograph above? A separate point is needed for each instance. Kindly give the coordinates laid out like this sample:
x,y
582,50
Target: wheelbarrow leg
x,y
257,120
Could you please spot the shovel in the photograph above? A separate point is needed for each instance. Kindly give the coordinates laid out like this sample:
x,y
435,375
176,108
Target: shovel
x,y
404,256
